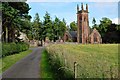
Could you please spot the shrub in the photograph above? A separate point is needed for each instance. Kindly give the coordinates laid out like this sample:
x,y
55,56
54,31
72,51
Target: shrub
x,y
12,48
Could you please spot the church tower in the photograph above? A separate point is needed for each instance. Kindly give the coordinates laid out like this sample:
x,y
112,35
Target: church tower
x,y
82,24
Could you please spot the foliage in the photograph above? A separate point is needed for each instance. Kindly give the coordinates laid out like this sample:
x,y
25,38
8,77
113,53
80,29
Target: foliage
x,y
8,61
93,60
104,23
94,24
94,21
106,28
13,14
13,48
69,40
47,26
36,27
59,28
73,26
26,26
16,19
52,29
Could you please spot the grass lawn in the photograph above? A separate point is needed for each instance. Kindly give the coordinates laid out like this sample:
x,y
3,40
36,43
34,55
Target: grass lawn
x,y
93,60
8,61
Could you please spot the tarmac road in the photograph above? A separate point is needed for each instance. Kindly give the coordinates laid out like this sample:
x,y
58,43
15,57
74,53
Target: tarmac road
x,y
28,67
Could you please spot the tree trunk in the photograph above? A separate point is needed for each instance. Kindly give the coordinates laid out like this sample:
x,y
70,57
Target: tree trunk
x,y
44,40
54,39
6,35
3,34
13,35
41,42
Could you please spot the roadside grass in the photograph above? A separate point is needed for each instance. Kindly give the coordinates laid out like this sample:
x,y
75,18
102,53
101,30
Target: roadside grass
x,y
8,61
50,69
93,60
45,68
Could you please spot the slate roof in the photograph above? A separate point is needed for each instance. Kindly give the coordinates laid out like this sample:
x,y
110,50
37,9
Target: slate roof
x,y
73,33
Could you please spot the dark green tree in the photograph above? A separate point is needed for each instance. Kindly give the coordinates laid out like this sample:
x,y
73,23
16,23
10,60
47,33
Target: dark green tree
x,y
94,23
12,13
73,26
104,24
36,27
110,32
47,26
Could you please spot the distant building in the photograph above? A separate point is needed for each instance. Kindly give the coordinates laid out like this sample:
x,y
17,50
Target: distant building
x,y
83,34
70,36
23,37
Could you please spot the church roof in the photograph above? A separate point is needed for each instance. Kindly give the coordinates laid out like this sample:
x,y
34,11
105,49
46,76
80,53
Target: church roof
x,y
95,31
73,33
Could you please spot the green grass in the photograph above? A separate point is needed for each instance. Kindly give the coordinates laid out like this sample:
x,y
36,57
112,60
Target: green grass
x,y
93,60
49,69
8,61
45,68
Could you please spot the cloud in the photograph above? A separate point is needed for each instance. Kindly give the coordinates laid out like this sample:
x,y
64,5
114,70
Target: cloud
x,y
116,20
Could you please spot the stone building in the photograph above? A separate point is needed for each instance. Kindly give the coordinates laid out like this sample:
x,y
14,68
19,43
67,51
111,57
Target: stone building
x,y
83,34
95,37
70,36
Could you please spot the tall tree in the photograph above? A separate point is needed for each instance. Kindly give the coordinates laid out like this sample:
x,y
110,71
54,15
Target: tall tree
x,y
62,27
36,27
11,15
104,23
94,23
73,26
47,26
59,28
109,32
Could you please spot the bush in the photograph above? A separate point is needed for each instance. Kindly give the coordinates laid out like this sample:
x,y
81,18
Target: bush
x,y
13,48
69,40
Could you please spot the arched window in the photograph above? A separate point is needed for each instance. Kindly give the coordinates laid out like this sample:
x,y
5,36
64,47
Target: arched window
x,y
80,18
95,37
84,19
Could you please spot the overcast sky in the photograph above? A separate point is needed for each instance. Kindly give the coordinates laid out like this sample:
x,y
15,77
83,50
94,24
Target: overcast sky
x,y
67,10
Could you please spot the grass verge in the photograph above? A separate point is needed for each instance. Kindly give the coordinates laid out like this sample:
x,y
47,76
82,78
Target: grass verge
x,y
8,61
50,68
45,68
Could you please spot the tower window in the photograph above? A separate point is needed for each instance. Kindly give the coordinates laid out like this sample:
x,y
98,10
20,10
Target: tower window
x,y
84,19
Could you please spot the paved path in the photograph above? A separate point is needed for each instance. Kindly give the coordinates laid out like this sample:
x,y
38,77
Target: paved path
x,y
27,67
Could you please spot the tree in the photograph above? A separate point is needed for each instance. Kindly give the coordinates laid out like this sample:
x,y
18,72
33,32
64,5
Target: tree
x,y
36,27
109,32
12,13
104,23
73,26
59,28
26,25
62,27
47,26
94,23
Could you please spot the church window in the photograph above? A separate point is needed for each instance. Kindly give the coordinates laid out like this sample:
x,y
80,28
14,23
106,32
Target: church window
x,y
95,37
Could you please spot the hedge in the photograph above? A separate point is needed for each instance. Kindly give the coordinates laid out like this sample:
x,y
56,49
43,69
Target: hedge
x,y
13,48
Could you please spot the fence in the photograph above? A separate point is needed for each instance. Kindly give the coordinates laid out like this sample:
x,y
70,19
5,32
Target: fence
x,y
81,70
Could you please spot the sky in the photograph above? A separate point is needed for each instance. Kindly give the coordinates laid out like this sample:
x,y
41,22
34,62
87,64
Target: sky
x,y
67,10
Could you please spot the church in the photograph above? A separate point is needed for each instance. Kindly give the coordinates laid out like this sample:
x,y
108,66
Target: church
x,y
83,34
